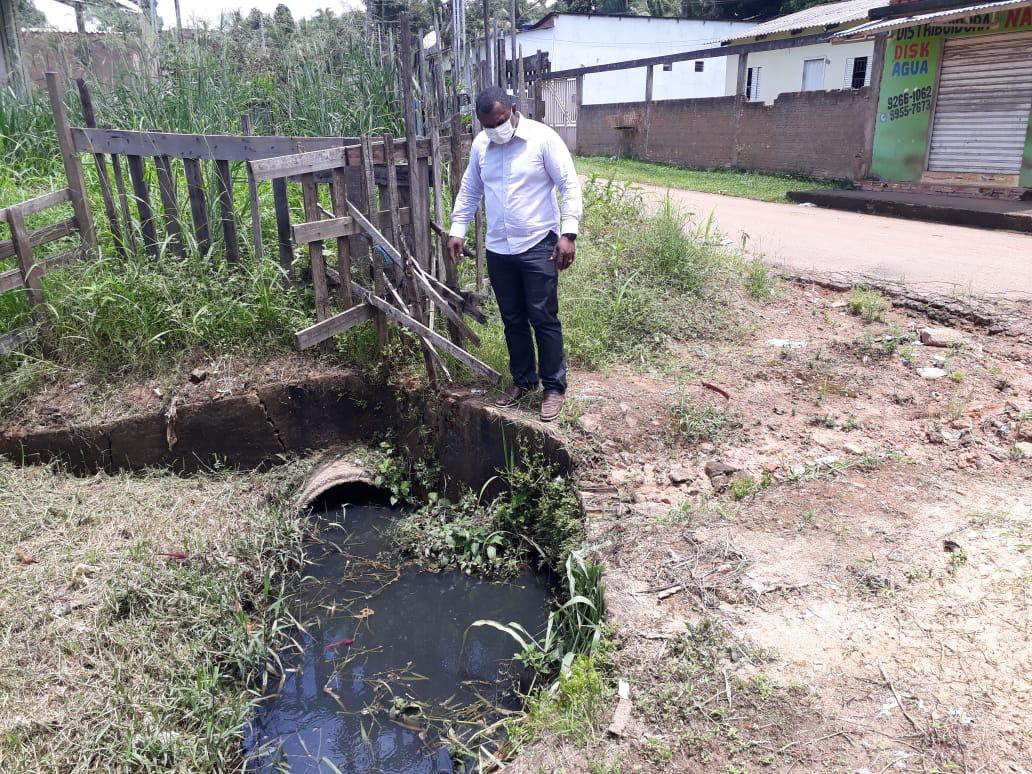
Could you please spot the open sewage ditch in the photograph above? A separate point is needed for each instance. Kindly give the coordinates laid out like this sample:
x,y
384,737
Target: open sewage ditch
x,y
383,669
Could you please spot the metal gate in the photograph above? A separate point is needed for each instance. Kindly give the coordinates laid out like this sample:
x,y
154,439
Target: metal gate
x,y
560,98
982,111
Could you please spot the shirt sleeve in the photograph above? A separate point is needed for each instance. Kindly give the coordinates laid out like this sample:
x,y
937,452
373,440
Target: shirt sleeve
x,y
559,164
471,191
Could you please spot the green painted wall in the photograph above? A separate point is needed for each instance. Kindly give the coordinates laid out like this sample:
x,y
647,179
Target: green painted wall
x,y
908,82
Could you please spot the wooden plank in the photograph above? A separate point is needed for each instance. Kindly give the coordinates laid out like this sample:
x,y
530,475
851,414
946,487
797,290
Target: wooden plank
x,y
207,147
418,201
321,230
375,263
310,196
86,101
339,196
72,165
417,274
418,328
167,192
123,203
9,342
143,204
296,164
229,229
31,274
281,204
41,236
44,202
12,278
252,190
198,204
334,326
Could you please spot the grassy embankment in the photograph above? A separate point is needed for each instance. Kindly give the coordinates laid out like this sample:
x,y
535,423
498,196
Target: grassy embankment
x,y
750,185
120,652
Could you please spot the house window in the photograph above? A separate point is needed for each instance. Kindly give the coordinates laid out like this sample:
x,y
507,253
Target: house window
x,y
858,73
668,67
752,84
699,65
813,74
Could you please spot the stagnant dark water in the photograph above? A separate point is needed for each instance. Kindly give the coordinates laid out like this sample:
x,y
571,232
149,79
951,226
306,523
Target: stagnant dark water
x,y
381,672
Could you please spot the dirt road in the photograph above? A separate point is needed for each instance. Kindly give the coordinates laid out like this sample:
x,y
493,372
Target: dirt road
x,y
937,258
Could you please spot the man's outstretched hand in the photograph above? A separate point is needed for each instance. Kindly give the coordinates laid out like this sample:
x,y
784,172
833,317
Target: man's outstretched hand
x,y
564,253
455,249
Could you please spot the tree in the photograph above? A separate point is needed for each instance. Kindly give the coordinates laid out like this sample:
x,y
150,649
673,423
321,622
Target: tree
x,y
29,15
283,18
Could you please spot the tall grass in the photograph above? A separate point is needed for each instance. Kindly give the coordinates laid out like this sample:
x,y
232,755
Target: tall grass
x,y
640,282
320,79
117,317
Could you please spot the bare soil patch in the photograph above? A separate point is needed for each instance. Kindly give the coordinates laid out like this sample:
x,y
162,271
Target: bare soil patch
x,y
855,599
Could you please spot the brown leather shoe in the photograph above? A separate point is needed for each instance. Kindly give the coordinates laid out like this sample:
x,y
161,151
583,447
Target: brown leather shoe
x,y
511,396
552,405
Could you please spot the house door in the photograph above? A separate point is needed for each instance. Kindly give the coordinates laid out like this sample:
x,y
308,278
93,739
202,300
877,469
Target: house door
x,y
560,98
813,74
982,111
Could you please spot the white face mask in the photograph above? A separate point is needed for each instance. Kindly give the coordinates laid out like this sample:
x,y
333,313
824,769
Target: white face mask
x,y
501,134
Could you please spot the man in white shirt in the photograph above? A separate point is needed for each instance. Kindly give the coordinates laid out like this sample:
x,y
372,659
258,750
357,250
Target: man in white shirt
x,y
516,164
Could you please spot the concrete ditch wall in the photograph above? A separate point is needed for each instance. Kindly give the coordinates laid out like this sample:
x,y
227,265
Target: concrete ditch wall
x,y
818,133
261,428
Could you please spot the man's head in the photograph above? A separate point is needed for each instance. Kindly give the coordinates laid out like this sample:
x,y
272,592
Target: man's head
x,y
495,109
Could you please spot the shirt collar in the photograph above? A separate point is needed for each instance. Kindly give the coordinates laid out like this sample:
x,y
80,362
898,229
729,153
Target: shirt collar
x,y
522,128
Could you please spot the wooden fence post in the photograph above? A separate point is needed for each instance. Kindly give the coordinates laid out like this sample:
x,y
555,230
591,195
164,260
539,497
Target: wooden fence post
x,y
252,187
72,165
31,273
90,119
229,231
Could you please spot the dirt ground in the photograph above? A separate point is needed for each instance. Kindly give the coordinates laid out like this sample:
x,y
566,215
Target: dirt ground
x,y
864,605
847,593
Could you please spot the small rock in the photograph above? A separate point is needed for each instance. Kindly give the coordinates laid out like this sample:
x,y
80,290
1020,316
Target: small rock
x,y
720,483
588,423
787,343
830,459
935,436
852,448
931,373
1024,448
198,375
941,337
716,468
618,477
938,361
680,475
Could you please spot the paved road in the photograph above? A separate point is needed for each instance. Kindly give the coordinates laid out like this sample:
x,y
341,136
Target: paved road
x,y
937,258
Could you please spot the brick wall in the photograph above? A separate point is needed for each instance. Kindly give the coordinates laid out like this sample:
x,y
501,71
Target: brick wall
x,y
819,133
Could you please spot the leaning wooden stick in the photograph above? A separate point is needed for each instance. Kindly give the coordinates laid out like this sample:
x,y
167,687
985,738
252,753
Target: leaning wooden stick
x,y
404,320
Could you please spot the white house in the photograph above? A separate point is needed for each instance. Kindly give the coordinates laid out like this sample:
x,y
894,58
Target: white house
x,y
818,67
580,40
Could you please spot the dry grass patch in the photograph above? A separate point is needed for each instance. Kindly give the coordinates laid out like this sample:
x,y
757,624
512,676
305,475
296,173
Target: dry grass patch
x,y
136,612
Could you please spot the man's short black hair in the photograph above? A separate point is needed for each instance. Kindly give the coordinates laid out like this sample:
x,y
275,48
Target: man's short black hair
x,y
491,96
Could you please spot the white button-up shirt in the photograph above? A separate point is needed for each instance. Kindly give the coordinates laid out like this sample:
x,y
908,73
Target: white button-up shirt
x,y
518,181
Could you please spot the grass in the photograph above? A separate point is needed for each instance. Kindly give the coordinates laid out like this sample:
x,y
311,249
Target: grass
x,y
118,656
750,185
641,282
868,304
694,423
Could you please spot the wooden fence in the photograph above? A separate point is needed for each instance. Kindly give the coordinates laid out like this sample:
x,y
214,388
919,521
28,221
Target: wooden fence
x,y
385,218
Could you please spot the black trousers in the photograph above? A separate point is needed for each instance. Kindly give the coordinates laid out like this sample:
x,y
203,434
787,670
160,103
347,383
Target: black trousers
x,y
526,286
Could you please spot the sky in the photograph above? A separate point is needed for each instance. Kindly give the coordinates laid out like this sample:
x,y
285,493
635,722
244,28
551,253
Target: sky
x,y
63,17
